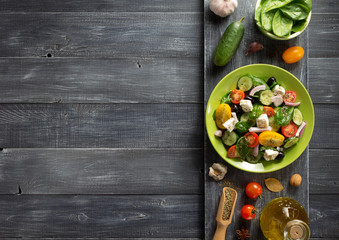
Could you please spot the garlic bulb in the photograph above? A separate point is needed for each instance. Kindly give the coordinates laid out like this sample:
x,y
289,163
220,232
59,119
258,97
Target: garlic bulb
x,y
223,8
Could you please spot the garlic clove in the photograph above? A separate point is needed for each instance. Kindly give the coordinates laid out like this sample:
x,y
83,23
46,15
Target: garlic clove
x,y
223,8
217,171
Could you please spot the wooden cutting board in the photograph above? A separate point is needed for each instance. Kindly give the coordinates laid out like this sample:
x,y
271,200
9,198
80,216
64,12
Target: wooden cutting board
x,y
214,27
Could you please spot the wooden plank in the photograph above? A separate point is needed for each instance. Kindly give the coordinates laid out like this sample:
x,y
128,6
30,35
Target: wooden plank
x,y
76,80
324,177
326,128
324,216
101,171
97,216
214,28
323,77
101,6
101,125
324,35
109,35
325,6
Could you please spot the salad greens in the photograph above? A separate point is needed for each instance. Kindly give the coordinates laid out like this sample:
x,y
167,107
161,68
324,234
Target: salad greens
x,y
282,17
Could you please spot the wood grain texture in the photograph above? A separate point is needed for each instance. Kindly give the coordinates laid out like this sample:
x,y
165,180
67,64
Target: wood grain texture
x,y
323,30
109,35
324,216
101,171
101,6
325,6
326,128
323,80
324,165
62,216
80,80
101,125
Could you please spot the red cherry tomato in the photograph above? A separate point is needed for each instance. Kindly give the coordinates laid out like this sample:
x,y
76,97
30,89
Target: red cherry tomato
x,y
289,130
290,96
232,152
253,190
248,212
269,111
293,54
253,139
236,96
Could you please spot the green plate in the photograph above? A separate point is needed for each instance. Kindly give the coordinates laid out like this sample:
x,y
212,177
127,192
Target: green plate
x,y
289,82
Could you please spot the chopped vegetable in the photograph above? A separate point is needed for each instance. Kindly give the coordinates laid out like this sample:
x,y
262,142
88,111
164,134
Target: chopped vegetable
x,y
269,111
253,139
297,117
277,100
289,130
289,142
257,89
271,139
223,8
283,115
254,47
301,129
218,133
232,152
222,114
242,147
242,127
236,96
290,97
256,112
257,130
226,98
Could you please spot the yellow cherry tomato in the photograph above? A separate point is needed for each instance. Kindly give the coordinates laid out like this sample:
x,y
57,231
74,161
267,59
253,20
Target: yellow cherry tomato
x,y
293,54
222,114
271,139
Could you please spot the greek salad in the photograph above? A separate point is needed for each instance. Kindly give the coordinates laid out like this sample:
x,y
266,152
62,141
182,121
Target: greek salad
x,y
259,119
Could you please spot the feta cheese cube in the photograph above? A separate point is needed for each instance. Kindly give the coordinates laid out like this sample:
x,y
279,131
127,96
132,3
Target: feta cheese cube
x,y
234,115
279,90
262,121
270,154
246,105
230,124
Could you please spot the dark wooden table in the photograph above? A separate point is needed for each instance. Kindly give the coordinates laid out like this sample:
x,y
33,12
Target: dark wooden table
x,y
102,118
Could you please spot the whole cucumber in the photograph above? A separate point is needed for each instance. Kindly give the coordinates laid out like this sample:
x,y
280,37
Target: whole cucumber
x,y
229,43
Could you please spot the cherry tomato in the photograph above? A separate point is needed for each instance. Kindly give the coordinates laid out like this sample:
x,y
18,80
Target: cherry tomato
x,y
237,95
253,190
269,111
289,130
248,212
290,96
232,152
293,54
253,139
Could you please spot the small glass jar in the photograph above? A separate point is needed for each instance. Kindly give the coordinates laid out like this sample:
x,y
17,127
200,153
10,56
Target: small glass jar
x,y
296,230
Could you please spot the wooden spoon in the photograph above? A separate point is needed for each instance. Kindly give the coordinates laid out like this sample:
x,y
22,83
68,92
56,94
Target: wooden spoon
x,y
229,195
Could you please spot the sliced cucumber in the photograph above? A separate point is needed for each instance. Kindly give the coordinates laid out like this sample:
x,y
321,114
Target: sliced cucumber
x,y
245,83
229,138
252,159
245,118
289,142
265,97
271,122
297,117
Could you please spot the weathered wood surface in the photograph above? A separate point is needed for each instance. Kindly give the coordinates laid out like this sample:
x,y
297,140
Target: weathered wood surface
x,y
101,6
101,125
109,35
124,216
101,171
81,80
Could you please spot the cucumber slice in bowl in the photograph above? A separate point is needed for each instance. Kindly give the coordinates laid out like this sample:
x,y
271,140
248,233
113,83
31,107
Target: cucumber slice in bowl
x,y
297,117
265,97
245,83
289,142
229,138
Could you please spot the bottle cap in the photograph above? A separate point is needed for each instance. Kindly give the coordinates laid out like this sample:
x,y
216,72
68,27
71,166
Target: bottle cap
x,y
296,230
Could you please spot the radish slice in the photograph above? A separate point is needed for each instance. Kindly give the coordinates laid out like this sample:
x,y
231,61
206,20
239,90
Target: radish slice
x,y
256,150
218,133
292,104
277,100
301,129
257,89
256,129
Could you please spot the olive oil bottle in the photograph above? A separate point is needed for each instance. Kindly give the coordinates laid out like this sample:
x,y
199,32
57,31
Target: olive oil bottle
x,y
284,219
